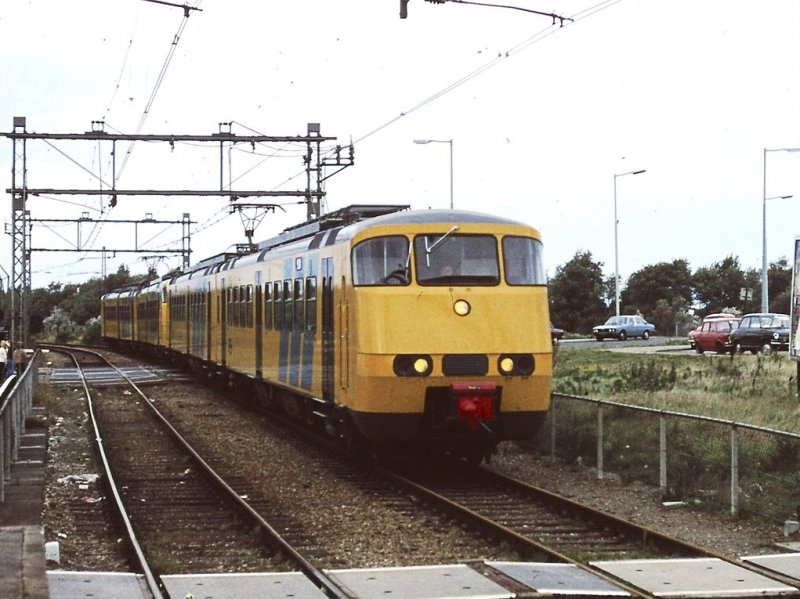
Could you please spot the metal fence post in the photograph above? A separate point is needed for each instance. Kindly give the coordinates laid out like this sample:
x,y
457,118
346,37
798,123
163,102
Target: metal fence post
x,y
662,451
734,470
3,454
16,410
599,441
552,428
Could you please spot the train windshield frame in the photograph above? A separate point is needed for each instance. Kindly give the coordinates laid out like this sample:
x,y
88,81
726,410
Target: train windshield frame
x,y
522,261
450,258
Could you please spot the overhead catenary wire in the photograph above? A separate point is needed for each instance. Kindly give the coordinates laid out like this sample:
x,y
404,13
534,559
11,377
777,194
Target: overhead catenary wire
x,y
157,86
534,39
273,152
94,234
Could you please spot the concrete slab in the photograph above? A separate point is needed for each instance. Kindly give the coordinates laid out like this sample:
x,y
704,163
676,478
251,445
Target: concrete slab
x,y
22,565
702,577
558,579
419,582
787,564
269,585
80,585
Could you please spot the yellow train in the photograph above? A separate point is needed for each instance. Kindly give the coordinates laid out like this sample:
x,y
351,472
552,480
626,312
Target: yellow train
x,y
382,325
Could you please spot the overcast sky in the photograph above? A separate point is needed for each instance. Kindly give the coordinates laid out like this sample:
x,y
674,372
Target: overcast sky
x,y
541,116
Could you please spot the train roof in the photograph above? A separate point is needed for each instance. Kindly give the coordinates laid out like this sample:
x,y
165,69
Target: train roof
x,y
421,217
339,226
339,218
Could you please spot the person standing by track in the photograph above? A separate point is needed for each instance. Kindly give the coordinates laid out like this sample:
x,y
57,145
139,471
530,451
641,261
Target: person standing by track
x,y
19,357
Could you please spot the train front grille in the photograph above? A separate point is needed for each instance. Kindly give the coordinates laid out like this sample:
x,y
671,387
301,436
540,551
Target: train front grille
x,y
465,365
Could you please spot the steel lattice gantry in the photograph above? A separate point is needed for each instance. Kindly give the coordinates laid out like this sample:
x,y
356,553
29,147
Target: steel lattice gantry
x,y
20,240
20,192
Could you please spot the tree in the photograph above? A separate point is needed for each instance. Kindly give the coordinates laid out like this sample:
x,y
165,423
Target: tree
x,y
667,281
576,293
59,326
719,285
779,278
42,303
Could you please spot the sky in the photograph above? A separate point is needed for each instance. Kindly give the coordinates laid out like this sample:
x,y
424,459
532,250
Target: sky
x,y
543,118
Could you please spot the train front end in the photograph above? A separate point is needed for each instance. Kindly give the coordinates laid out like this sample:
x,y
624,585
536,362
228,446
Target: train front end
x,y
450,344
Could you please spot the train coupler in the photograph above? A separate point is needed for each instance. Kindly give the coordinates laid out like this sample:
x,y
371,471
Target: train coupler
x,y
476,404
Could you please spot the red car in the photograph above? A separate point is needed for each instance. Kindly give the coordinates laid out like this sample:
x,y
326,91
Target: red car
x,y
714,334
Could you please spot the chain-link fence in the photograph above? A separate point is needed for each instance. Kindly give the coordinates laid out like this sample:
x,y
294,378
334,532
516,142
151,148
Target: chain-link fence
x,y
700,460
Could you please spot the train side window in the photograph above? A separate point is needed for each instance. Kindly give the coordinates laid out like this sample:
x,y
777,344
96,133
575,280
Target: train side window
x,y
311,304
249,306
267,306
240,306
287,305
278,301
522,261
381,261
233,312
299,316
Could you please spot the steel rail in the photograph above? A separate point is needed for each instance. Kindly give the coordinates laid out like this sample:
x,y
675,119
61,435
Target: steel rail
x,y
319,578
527,544
647,533
630,528
152,585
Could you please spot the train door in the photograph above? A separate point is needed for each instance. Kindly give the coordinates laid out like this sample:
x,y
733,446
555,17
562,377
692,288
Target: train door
x,y
258,328
328,338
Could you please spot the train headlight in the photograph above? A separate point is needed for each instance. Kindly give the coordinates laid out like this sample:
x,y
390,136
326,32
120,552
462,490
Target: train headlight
x,y
412,365
516,364
506,365
421,366
462,307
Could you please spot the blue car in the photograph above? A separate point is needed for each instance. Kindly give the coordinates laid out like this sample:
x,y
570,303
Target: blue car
x,y
622,327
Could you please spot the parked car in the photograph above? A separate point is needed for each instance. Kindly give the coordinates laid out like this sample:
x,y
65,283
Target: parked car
x,y
761,332
556,334
622,327
709,317
714,334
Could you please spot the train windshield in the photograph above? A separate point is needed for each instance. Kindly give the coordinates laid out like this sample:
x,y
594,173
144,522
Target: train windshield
x,y
381,261
448,258
522,261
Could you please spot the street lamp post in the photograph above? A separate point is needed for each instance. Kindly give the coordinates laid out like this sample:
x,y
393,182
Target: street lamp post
x,y
442,141
764,284
616,237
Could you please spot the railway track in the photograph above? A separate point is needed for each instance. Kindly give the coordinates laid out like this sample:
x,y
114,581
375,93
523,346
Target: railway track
x,y
543,526
537,522
179,514
540,526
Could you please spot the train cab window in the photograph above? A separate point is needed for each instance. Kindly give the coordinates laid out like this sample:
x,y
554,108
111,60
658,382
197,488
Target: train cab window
x,y
522,261
381,261
447,259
